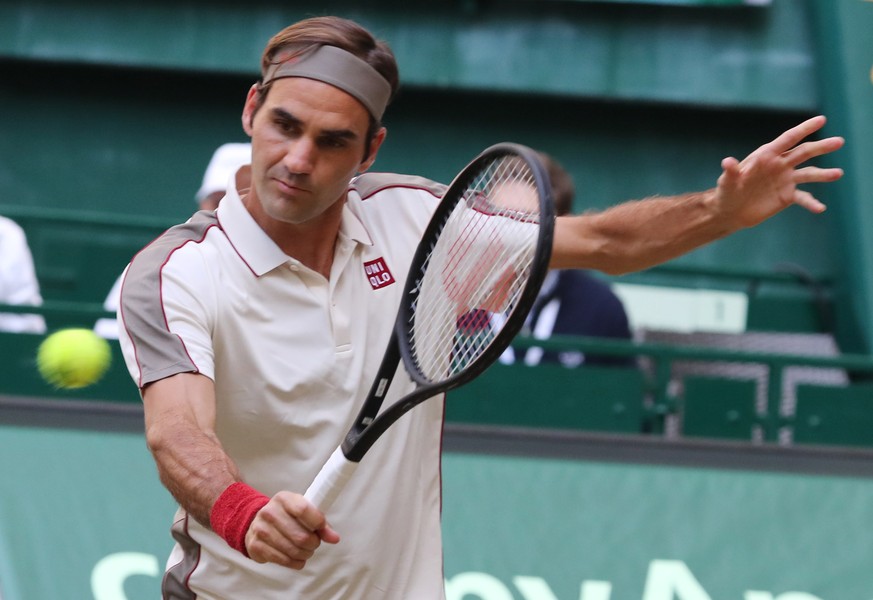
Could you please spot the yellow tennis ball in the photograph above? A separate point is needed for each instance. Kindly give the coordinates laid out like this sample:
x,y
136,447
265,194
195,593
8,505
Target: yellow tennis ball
x,y
73,358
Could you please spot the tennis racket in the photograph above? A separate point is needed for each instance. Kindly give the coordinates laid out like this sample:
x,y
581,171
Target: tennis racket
x,y
471,283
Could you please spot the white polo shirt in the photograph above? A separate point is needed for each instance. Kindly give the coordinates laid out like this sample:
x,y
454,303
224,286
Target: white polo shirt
x,y
292,355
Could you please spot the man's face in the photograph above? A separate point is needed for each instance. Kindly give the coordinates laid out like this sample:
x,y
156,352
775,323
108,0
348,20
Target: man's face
x,y
308,141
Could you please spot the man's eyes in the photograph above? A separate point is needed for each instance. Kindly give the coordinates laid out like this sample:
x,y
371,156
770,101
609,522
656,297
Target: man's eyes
x,y
292,129
286,126
333,142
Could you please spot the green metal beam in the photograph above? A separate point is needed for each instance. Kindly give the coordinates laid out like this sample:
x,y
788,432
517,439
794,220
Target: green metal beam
x,y
744,57
845,55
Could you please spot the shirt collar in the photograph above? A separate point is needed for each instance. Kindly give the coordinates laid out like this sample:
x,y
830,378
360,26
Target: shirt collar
x,y
351,226
256,248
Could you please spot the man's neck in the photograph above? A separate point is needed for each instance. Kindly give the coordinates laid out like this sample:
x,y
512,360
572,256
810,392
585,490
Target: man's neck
x,y
312,243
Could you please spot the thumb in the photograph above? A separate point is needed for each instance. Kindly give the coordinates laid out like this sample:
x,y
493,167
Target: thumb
x,y
730,166
327,534
730,175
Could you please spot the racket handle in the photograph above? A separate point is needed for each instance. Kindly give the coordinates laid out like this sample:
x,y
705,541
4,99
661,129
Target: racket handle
x,y
330,481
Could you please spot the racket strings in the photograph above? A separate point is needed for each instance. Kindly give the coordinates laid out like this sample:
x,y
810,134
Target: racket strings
x,y
476,270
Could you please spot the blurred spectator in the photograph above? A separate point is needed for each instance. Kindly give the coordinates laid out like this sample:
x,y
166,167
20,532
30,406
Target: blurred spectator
x,y
106,327
226,160
573,301
226,163
18,283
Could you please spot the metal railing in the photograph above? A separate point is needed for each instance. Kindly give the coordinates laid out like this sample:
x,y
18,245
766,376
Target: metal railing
x,y
664,356
660,401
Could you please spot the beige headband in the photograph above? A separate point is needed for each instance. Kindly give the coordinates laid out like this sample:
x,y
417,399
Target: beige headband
x,y
340,69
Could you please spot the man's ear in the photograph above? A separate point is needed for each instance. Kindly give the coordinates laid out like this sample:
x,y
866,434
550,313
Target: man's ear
x,y
375,144
249,108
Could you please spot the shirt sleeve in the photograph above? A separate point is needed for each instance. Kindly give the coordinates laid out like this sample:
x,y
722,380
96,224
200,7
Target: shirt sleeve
x,y
167,314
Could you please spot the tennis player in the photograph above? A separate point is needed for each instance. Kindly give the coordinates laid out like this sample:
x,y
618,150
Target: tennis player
x,y
254,332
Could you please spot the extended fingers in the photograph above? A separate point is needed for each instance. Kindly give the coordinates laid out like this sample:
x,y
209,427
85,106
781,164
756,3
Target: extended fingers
x,y
792,147
816,175
807,150
796,134
808,201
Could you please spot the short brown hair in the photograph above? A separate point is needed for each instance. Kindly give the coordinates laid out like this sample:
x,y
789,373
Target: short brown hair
x,y
331,31
563,188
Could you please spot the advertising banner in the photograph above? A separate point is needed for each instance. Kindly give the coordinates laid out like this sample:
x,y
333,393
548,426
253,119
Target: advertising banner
x,y
533,517
521,528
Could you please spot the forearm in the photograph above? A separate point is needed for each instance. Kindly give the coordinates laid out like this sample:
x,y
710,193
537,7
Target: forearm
x,y
180,432
637,235
642,234
194,468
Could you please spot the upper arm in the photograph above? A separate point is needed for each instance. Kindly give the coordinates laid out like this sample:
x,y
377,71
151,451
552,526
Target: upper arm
x,y
168,305
182,401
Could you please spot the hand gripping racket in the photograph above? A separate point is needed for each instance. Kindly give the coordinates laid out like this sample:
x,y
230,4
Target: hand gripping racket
x,y
472,281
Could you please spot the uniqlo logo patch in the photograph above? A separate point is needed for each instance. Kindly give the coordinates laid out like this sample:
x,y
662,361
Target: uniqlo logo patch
x,y
377,273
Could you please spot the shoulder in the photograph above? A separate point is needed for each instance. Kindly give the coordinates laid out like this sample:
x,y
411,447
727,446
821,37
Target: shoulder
x,y
11,229
193,231
174,268
13,241
177,247
394,207
387,200
370,185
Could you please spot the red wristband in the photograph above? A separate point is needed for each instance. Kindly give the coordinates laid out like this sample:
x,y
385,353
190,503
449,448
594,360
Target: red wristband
x,y
234,511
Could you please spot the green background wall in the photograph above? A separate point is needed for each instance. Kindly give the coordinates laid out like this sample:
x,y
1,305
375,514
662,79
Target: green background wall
x,y
113,109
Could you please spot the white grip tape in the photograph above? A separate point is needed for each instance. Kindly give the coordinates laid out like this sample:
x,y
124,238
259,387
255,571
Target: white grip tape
x,y
330,481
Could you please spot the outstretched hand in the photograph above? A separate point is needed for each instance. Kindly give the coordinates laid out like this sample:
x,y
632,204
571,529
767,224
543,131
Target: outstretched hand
x,y
765,182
